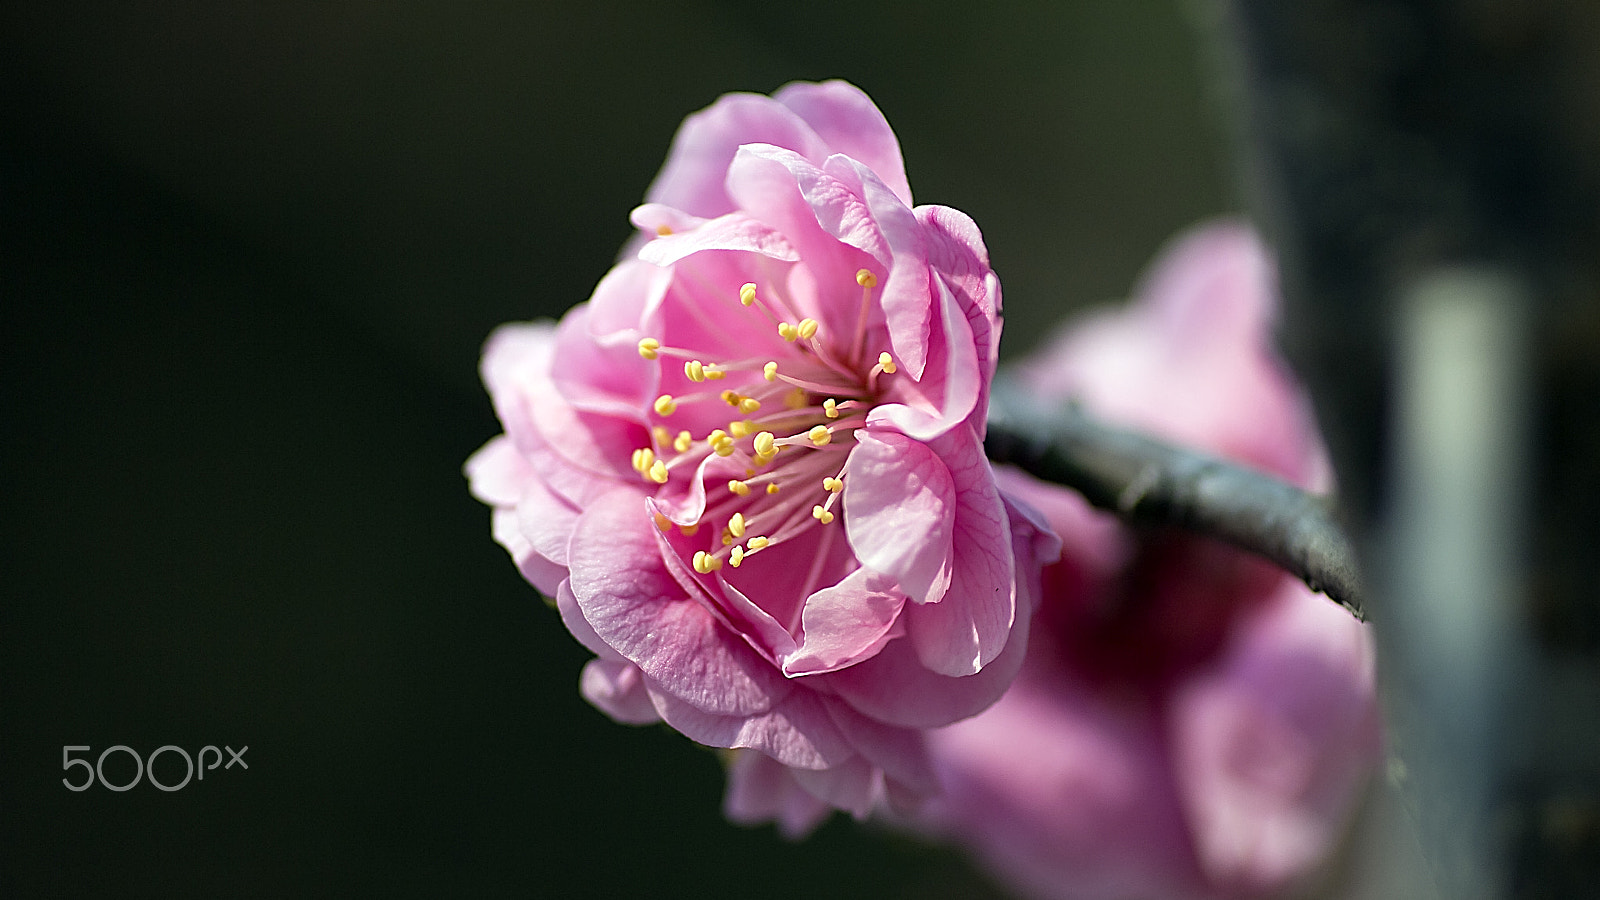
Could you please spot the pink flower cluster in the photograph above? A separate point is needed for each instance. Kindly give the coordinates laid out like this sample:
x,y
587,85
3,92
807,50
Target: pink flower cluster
x,y
750,468
1190,722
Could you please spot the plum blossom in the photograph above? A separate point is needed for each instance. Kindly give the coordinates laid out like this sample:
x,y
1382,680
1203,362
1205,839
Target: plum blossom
x,y
1190,722
749,469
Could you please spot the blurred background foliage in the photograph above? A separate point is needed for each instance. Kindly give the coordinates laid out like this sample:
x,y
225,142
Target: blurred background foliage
x,y
248,254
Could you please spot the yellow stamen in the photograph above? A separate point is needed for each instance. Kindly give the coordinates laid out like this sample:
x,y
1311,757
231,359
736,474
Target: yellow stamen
x,y
740,428
695,370
756,543
739,487
715,436
648,348
730,397
820,435
658,472
765,445
705,563
832,484
736,556
682,442
830,408
662,436
772,488
866,279
787,332
796,399
727,539
723,447
736,525
663,523
715,374
749,405
886,362
665,405
642,458
821,515
808,328
747,294
770,371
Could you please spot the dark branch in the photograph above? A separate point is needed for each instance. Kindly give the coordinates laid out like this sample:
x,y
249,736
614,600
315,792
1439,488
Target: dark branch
x,y
1143,480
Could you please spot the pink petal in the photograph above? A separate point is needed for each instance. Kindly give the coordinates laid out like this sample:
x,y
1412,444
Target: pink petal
x,y
893,687
692,178
899,512
848,122
497,473
761,789
734,231
967,629
854,785
951,384
540,572
1271,747
617,689
845,623
795,731
635,606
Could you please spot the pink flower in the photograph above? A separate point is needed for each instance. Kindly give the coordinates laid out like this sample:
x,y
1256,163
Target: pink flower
x,y
750,468
1190,722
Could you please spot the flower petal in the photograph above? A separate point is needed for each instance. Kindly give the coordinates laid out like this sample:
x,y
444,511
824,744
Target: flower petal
x,y
617,689
893,687
849,123
899,512
761,789
692,178
734,231
635,606
845,623
967,629
796,731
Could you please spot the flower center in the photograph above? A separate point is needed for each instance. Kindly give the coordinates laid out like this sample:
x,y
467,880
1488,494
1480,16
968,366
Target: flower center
x,y
776,466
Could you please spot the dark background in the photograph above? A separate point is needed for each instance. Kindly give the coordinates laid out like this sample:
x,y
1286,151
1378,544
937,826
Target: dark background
x,y
248,254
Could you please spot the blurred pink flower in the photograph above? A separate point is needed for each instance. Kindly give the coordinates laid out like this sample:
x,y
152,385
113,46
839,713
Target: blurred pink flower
x,y
750,468
1190,721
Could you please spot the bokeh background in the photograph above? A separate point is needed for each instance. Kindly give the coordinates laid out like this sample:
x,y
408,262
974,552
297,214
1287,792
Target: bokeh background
x,y
248,254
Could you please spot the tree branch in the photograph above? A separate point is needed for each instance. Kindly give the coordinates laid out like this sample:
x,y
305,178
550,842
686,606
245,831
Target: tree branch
x,y
1143,480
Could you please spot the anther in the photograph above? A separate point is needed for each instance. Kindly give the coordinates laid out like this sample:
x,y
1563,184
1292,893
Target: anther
x,y
821,515
705,563
820,435
770,371
807,329
665,405
736,525
663,523
787,332
658,472
663,437
715,374
648,348
740,428
830,408
739,487
736,556
748,405
772,488
642,458
747,294
866,279
765,444
756,543
796,399
832,484
683,442
886,362
695,370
